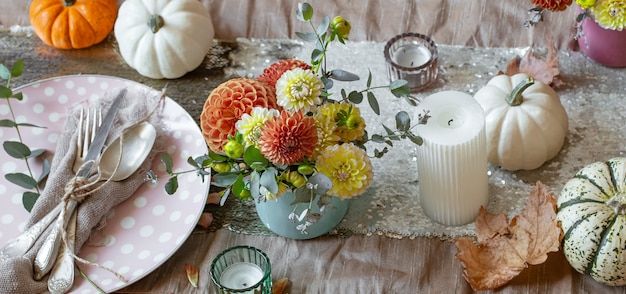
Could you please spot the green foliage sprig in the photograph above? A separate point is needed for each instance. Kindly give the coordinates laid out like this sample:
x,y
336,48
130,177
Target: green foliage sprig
x,y
18,149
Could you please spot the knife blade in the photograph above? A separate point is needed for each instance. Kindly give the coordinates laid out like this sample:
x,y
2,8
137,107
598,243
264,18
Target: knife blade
x,y
47,253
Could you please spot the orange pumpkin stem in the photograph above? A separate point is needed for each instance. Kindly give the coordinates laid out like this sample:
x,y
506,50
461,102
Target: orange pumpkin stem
x,y
515,98
68,3
155,22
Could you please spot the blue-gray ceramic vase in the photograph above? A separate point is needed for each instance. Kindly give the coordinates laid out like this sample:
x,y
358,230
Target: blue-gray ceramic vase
x,y
275,216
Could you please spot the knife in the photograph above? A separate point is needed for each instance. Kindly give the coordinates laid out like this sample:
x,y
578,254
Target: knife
x,y
44,260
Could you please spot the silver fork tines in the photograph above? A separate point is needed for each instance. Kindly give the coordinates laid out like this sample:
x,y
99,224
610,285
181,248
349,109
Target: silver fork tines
x,y
88,123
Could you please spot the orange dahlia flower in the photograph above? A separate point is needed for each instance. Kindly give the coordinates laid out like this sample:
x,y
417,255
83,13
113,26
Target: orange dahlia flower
x,y
553,5
288,138
227,103
272,73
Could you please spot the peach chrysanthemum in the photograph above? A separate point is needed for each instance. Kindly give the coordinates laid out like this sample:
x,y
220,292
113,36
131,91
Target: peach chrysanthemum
x,y
227,103
347,133
348,167
611,14
272,73
553,5
299,89
288,138
249,126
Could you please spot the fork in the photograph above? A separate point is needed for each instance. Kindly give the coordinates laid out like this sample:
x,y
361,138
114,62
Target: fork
x,y
24,242
86,136
44,260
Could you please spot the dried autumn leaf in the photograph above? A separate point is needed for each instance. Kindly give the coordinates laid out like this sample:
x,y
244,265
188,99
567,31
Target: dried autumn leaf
x,y
546,71
206,218
279,286
192,274
504,250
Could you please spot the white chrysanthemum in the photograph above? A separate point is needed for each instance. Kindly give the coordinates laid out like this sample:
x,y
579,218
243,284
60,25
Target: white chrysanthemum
x,y
299,89
250,124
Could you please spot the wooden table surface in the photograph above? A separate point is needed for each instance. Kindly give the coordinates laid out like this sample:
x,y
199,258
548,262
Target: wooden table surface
x,y
329,264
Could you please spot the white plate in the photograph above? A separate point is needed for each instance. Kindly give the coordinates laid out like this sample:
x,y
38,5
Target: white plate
x,y
145,230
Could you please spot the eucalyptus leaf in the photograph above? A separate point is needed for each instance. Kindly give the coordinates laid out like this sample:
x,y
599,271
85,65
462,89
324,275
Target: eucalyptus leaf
x,y
7,123
377,138
224,196
217,157
16,149
369,79
388,130
355,97
17,69
167,161
5,92
416,139
45,171
36,152
253,156
303,195
29,199
30,125
308,37
342,75
224,179
22,180
321,183
371,99
191,161
5,74
323,27
19,96
304,12
238,186
316,55
268,180
172,185
255,184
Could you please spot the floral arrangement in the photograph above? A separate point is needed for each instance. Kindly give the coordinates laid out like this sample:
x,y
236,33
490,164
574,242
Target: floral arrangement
x,y
284,133
609,14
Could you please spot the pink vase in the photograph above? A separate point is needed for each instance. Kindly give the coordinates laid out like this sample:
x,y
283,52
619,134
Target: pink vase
x,y
607,47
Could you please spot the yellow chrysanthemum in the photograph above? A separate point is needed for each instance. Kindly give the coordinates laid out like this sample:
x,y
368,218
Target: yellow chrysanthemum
x,y
611,14
299,89
349,168
250,124
585,4
326,135
355,127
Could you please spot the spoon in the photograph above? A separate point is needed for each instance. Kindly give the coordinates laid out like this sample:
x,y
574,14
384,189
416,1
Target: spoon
x,y
130,150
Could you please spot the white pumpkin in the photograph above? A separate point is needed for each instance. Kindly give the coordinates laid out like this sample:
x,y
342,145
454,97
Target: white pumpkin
x,y
592,211
163,39
526,123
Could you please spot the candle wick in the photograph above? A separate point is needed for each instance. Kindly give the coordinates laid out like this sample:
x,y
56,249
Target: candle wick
x,y
412,63
450,121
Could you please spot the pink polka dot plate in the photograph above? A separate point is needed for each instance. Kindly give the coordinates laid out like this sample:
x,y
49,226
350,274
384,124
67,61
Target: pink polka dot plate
x,y
142,232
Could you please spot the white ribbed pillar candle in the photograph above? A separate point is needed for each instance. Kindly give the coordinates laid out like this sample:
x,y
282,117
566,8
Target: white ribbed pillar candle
x,y
452,162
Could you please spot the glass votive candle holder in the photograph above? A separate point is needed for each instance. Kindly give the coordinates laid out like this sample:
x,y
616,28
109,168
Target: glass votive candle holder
x,y
242,269
412,57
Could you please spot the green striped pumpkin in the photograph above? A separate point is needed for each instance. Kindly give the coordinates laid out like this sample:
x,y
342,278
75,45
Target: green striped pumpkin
x,y
592,211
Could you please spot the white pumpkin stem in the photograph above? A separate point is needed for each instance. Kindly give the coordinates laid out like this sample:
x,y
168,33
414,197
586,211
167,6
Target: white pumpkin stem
x,y
155,22
618,203
515,98
68,3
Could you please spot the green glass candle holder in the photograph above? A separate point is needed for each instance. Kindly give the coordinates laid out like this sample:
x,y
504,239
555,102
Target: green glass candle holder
x,y
242,269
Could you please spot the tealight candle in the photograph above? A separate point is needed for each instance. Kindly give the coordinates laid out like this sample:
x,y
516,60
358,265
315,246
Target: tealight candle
x,y
242,269
412,57
241,275
452,162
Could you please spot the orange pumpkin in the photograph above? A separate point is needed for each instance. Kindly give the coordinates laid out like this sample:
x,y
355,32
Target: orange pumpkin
x,y
73,24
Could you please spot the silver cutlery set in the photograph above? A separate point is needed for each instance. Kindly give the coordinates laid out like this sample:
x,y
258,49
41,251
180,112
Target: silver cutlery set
x,y
55,257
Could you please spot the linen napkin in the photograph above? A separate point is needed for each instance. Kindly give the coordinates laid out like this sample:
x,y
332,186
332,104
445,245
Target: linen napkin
x,y
16,274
